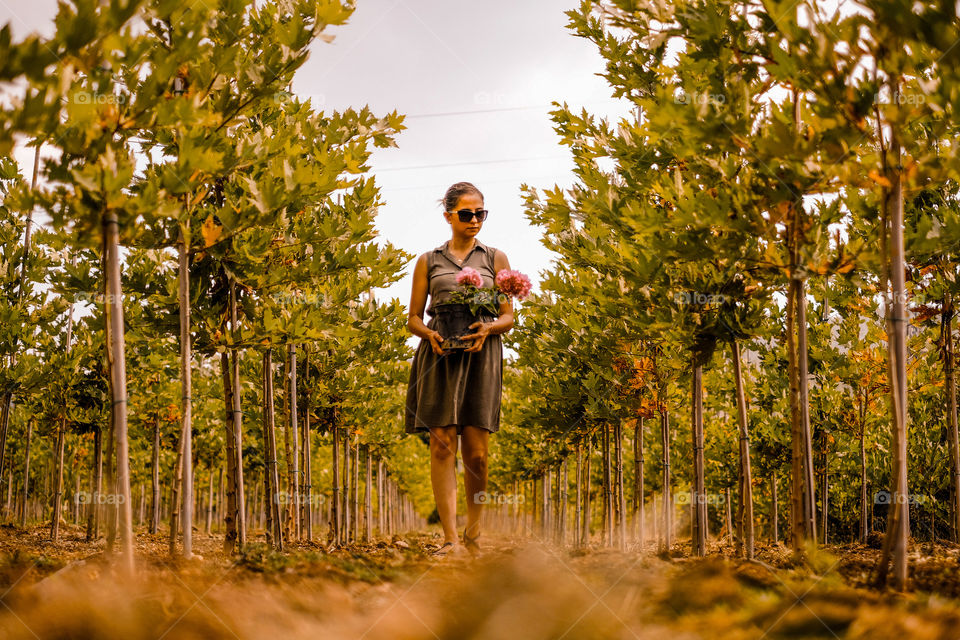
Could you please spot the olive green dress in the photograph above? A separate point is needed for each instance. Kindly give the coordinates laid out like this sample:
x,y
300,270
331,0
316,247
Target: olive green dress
x,y
458,389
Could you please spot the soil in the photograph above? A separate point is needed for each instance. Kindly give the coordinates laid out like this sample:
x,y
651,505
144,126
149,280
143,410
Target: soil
x,y
518,588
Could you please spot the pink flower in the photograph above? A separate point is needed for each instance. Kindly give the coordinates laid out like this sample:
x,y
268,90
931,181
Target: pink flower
x,y
513,283
469,275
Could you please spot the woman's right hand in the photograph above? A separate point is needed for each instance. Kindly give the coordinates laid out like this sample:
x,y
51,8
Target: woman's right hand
x,y
435,340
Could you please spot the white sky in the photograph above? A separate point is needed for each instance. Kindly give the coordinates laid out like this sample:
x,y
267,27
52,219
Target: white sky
x,y
475,80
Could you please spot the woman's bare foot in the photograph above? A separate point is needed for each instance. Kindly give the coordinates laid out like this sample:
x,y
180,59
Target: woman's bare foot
x,y
471,544
448,549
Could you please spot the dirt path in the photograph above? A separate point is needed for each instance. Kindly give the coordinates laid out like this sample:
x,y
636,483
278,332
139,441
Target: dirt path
x,y
518,589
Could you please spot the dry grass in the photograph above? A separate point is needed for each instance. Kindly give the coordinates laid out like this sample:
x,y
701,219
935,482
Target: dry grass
x,y
517,590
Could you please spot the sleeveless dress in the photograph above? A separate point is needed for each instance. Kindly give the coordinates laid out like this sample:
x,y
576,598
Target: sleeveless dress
x,y
458,389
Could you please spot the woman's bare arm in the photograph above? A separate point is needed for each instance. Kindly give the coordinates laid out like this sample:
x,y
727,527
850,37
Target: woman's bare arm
x,y
418,303
505,322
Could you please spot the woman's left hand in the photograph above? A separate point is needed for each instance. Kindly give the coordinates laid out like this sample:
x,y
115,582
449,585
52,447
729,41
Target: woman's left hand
x,y
479,337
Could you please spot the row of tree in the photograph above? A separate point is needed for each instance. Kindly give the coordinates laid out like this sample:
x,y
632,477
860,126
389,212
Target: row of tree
x,y
207,249
769,246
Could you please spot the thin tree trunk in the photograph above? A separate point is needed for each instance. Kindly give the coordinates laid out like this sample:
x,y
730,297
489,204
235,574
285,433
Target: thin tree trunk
x,y
745,502
803,519
667,498
356,490
175,498
698,499
802,497
306,453
273,466
77,518
293,469
229,515
585,536
607,488
535,507
26,473
221,498
111,483
775,515
810,496
268,490
638,491
118,386
155,476
6,402
389,498
209,526
93,509
142,505
61,434
950,383
898,525
824,493
656,517
347,529
58,484
562,499
186,386
621,507
253,507
546,495
368,497
578,505
728,518
240,510
861,436
335,516
516,509
381,498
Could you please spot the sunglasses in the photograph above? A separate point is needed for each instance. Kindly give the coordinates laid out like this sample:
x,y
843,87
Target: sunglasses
x,y
466,215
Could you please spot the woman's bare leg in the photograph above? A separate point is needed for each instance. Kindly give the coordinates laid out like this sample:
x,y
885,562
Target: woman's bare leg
x,y
443,475
475,442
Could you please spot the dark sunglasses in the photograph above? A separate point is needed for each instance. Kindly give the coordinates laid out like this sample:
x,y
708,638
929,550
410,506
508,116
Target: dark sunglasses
x,y
466,215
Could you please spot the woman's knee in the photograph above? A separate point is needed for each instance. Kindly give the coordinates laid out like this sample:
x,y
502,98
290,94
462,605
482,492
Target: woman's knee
x,y
475,459
442,446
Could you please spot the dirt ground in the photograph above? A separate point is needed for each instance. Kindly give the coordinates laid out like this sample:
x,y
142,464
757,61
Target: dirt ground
x,y
518,588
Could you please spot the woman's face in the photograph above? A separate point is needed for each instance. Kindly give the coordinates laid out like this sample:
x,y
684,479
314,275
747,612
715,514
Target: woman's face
x,y
473,202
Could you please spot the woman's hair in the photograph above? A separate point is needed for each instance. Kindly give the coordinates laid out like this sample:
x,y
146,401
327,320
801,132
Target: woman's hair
x,y
452,196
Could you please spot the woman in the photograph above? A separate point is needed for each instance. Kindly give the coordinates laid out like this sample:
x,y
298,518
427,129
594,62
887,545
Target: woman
x,y
457,392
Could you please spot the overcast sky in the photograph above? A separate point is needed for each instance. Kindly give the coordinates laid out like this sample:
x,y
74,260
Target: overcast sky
x,y
475,80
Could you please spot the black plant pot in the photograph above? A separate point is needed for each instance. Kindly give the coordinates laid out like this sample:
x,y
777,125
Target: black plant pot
x,y
453,321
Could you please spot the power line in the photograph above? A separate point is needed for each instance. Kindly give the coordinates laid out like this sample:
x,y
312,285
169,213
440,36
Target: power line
x,y
464,113
469,162
480,183
443,114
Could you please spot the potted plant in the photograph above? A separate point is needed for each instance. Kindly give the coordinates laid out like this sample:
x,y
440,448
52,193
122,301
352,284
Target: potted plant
x,y
473,302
